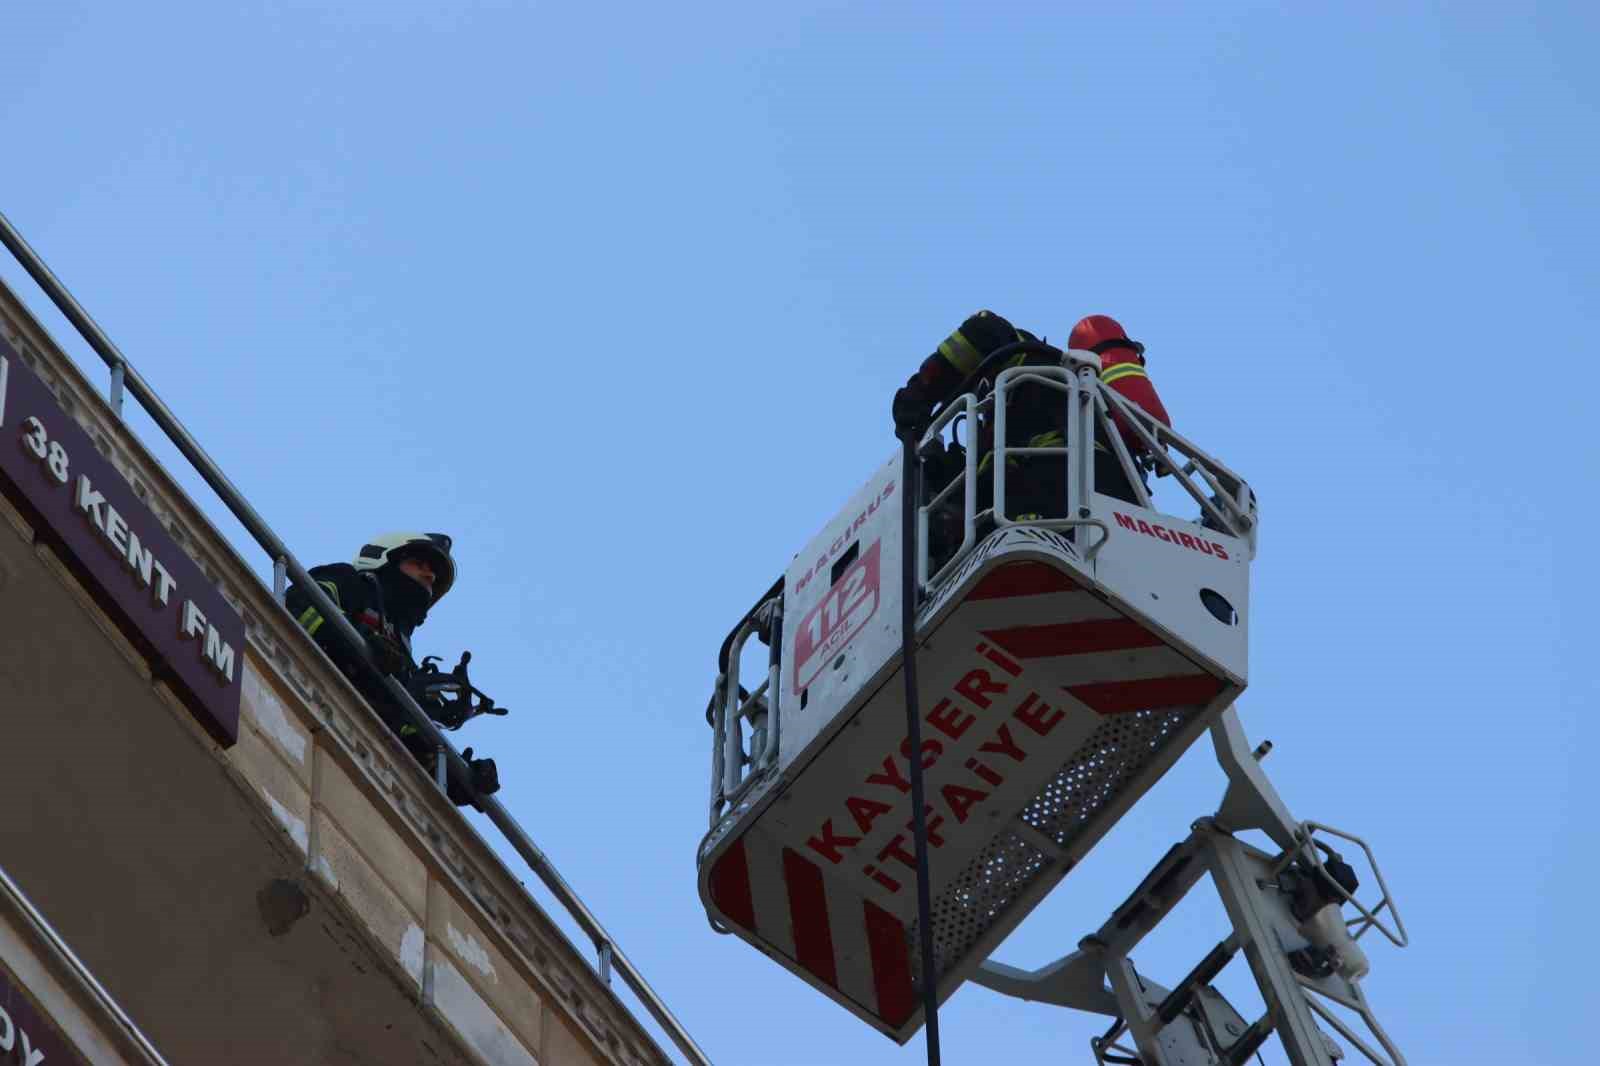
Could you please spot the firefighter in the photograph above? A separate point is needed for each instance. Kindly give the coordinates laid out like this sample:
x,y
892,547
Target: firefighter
x,y
1042,424
1036,417
1121,368
386,593
943,372
937,381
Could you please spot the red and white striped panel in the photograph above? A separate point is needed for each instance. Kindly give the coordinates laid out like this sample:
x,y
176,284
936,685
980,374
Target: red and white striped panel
x,y
823,920
843,941
1101,658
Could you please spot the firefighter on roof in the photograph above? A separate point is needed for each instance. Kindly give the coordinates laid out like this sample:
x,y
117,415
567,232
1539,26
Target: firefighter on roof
x,y
1035,417
386,593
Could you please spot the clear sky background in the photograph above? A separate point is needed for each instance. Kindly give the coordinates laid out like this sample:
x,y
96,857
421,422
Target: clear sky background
x,y
618,294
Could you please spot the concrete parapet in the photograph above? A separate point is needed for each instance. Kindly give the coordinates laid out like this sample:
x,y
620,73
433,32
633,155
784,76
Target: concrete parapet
x,y
351,825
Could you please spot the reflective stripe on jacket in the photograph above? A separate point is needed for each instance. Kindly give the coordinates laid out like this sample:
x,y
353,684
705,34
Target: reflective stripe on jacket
x,y
1123,370
311,619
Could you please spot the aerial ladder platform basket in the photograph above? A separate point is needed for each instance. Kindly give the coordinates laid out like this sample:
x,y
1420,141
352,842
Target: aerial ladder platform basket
x,y
1064,663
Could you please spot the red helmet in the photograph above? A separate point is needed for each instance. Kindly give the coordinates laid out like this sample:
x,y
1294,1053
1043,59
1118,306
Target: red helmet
x,y
1101,333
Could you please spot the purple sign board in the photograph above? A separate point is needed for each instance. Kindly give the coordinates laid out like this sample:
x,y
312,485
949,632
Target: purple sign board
x,y
26,1037
53,473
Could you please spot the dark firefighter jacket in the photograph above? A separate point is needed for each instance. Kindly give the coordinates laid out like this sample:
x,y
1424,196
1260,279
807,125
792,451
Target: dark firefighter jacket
x,y
361,597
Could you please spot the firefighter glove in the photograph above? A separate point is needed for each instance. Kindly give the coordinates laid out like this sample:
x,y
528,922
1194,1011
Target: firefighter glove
x,y
912,410
485,776
388,654
450,715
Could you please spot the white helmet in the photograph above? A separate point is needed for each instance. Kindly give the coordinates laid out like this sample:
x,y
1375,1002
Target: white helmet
x,y
393,547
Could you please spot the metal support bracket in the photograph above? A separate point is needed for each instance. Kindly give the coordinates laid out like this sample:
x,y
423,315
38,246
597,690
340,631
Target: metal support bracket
x,y
1250,801
1077,981
1193,1025
1260,929
119,374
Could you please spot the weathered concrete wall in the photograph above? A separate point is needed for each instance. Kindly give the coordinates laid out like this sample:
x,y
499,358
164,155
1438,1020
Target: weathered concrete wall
x,y
372,843
356,828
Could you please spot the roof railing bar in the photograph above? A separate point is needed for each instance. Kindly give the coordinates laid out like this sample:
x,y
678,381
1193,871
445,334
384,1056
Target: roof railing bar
x,y
58,293
257,527
514,834
153,405
586,920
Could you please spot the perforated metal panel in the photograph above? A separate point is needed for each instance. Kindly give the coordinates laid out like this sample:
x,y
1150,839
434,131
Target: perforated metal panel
x,y
984,891
1113,756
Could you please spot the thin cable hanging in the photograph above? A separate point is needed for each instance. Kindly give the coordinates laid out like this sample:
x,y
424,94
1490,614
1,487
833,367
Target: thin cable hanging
x,y
909,494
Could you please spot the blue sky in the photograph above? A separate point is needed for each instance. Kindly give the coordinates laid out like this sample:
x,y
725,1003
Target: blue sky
x,y
617,294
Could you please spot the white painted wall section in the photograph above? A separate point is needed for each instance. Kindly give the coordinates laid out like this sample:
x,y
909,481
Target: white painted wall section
x,y
479,1027
295,827
272,717
411,952
471,952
